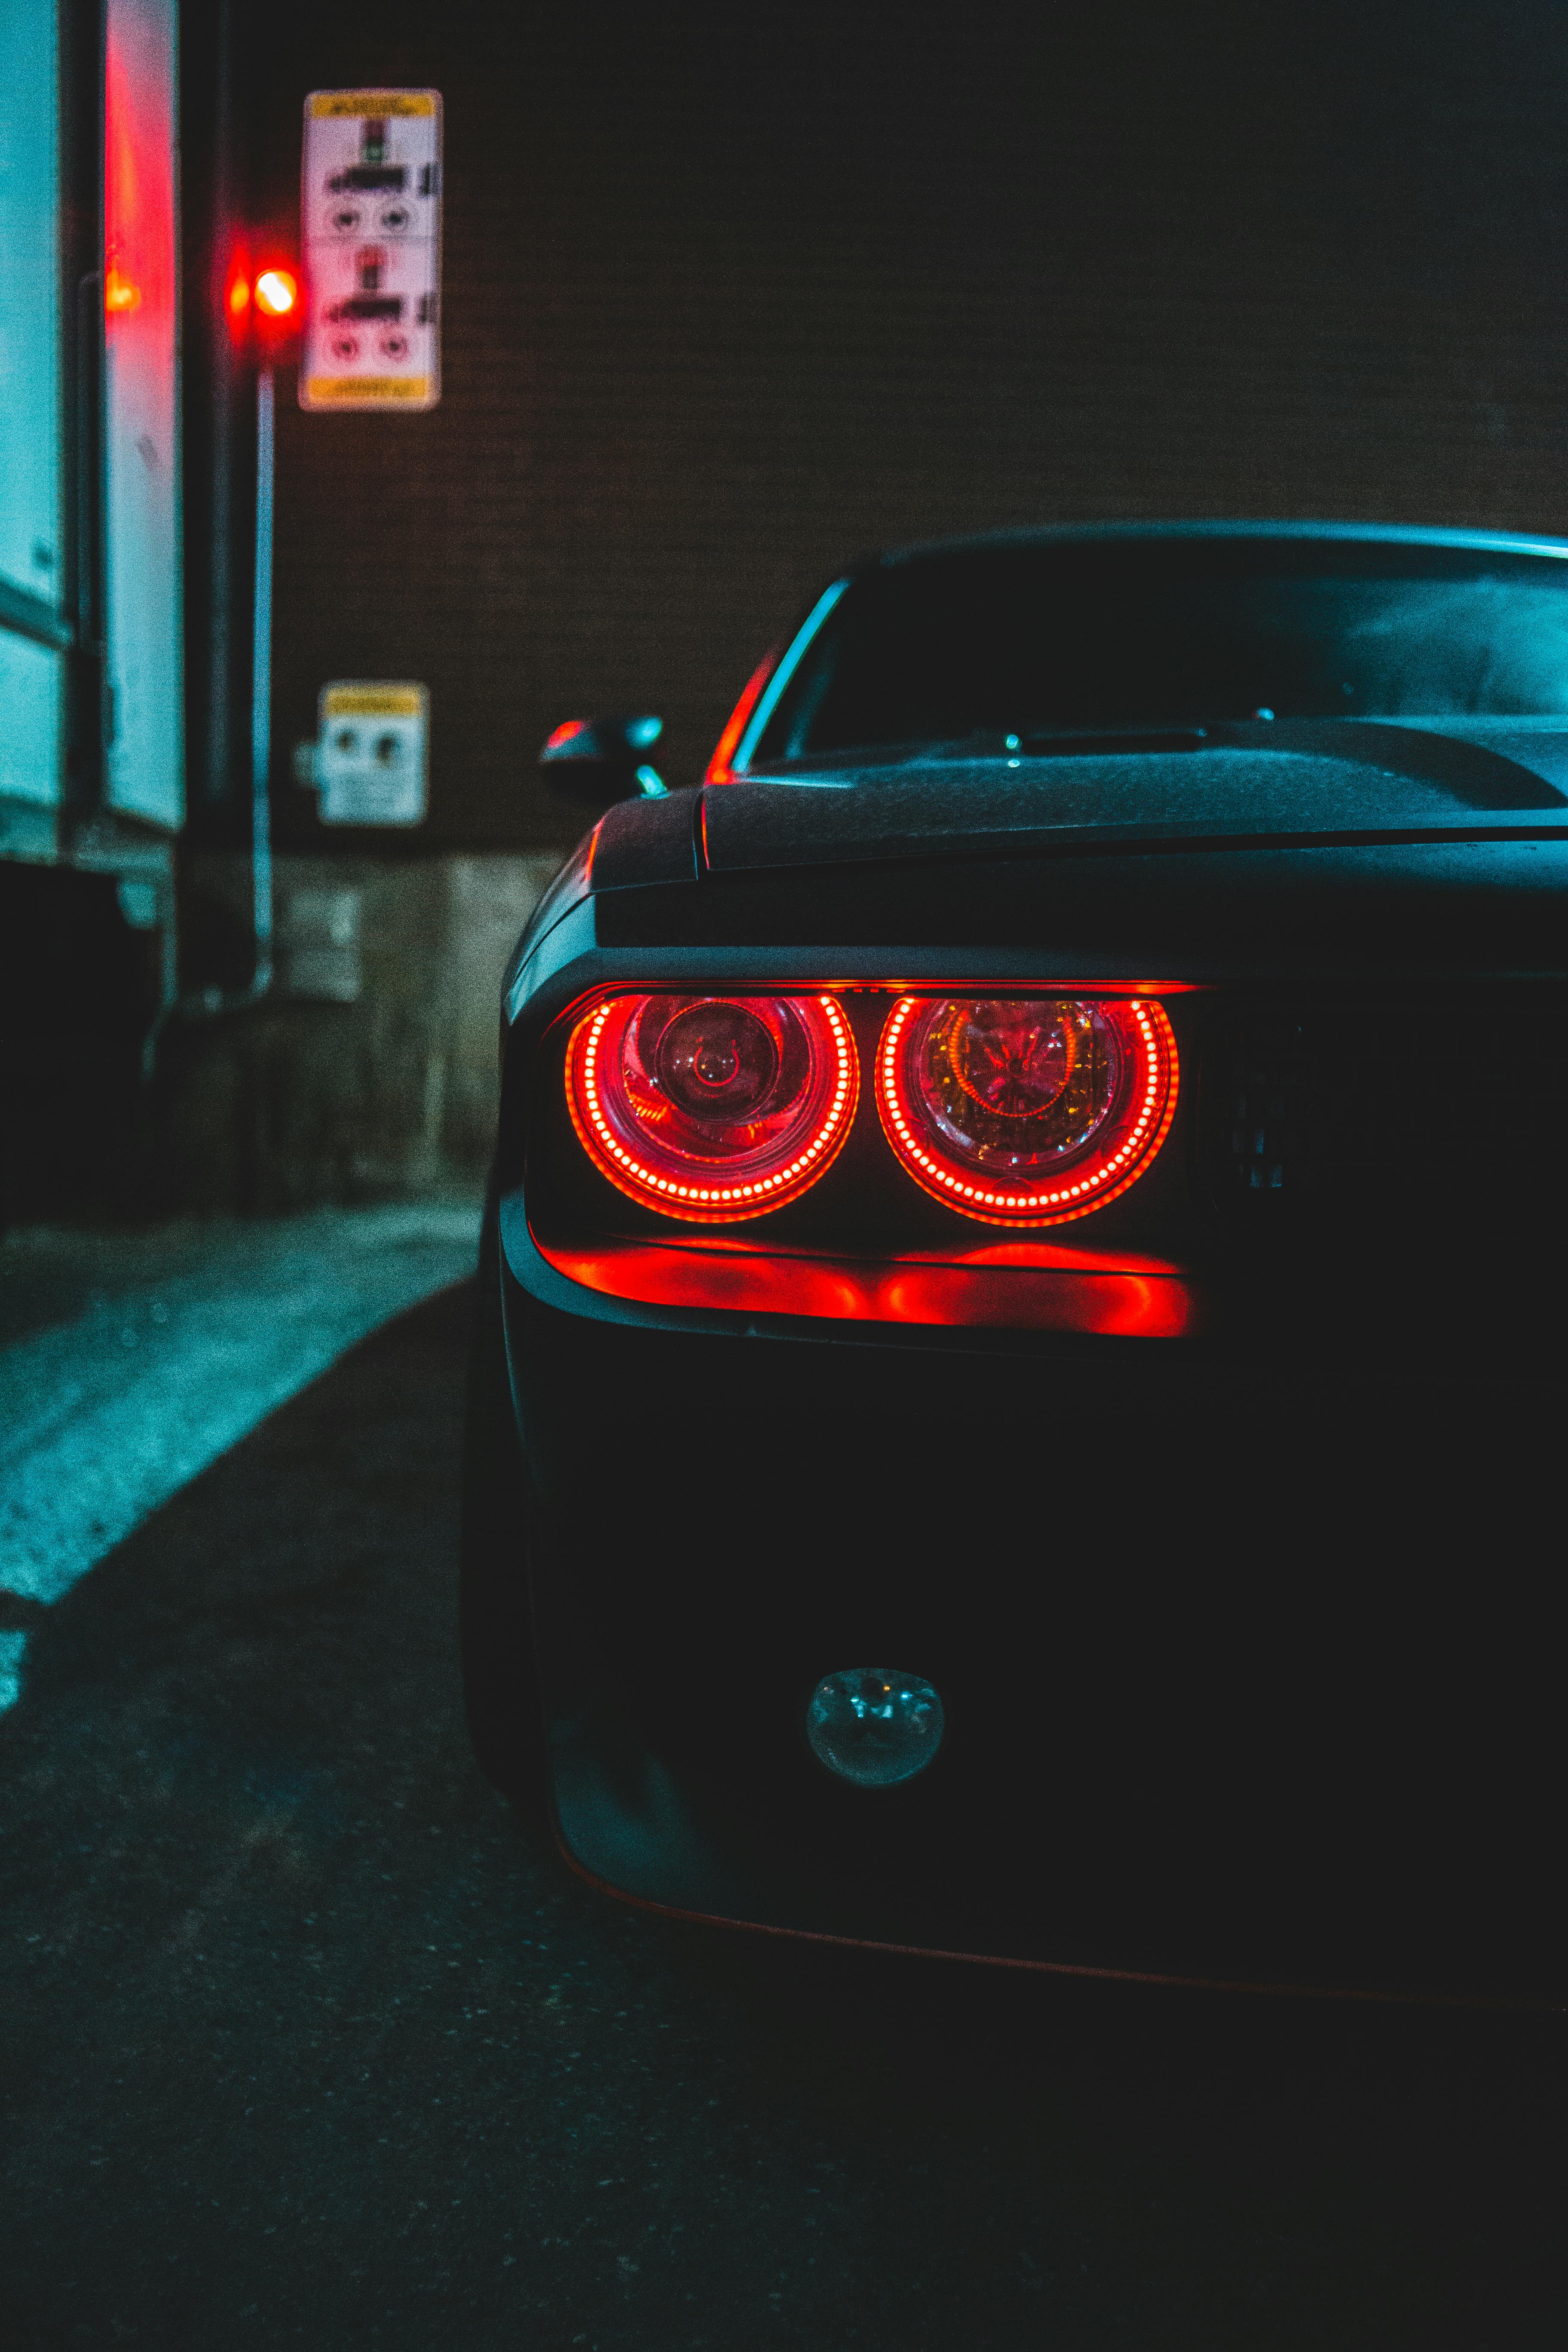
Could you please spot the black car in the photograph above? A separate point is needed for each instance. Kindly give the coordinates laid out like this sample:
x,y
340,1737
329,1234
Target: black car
x,y
1015,1409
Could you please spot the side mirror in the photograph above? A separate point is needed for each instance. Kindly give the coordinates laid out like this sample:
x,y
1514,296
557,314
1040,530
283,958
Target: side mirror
x,y
603,759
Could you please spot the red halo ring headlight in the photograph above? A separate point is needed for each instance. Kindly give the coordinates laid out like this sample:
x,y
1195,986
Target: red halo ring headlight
x,y
1027,1110
712,1107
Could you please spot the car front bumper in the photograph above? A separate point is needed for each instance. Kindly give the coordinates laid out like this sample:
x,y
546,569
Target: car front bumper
x,y
1243,1683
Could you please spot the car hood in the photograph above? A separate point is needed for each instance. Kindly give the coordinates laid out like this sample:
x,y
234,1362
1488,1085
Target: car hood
x,y
1292,781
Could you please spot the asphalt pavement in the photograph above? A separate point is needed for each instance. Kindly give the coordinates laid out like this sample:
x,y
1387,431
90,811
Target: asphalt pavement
x,y
305,2039
130,1360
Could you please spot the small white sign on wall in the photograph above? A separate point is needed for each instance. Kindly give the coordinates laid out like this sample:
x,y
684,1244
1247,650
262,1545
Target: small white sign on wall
x,y
370,221
372,763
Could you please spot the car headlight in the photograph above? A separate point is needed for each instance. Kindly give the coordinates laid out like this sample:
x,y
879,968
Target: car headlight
x,y
712,1107
1027,1110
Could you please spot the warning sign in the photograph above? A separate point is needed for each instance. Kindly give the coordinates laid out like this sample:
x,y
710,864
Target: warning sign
x,y
371,219
371,759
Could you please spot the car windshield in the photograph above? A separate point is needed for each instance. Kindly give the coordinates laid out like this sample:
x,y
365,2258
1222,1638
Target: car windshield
x,y
1122,634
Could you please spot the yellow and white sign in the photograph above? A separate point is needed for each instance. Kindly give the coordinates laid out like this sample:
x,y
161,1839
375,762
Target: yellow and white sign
x,y
370,214
372,752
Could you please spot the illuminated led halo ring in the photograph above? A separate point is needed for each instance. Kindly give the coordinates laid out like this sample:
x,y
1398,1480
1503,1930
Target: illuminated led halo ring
x,y
664,1171
1126,1140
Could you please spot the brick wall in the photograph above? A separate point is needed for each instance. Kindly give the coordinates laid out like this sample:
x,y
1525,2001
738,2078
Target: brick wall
x,y
732,298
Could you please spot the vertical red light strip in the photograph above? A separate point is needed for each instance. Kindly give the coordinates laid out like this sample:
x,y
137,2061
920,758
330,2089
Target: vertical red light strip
x,y
141,567
138,177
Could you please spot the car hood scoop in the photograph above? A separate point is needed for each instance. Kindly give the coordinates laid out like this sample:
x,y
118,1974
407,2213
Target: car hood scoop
x,y
1302,780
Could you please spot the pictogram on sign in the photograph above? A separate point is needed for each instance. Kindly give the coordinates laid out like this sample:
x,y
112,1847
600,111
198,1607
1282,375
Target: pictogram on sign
x,y
371,220
371,756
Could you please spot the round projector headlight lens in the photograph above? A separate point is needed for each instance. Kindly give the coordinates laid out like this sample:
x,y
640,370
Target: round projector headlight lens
x,y
874,1725
1027,1110
712,1107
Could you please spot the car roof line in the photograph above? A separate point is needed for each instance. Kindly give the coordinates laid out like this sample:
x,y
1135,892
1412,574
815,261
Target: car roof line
x,y
1082,533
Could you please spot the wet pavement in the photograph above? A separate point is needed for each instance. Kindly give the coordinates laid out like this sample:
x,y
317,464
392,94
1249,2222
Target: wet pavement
x,y
130,1360
305,2039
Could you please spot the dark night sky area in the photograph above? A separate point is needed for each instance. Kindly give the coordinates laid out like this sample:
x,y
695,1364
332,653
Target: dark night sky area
x,y
732,298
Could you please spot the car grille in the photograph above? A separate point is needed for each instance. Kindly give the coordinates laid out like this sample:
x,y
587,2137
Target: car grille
x,y
1372,1111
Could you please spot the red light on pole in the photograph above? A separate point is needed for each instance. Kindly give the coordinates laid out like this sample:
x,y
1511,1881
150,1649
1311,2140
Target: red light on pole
x,y
277,293
263,308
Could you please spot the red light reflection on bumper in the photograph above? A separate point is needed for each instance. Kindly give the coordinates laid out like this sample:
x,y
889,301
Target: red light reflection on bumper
x,y
1014,1288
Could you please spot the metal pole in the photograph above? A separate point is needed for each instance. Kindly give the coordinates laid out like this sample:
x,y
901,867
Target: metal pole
x,y
261,692
212,1001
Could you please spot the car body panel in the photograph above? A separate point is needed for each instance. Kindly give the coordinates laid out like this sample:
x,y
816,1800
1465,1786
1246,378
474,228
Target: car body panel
x,y
1294,780
1264,1692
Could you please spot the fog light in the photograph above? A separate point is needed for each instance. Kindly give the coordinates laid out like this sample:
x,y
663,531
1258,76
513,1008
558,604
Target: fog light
x,y
874,1725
